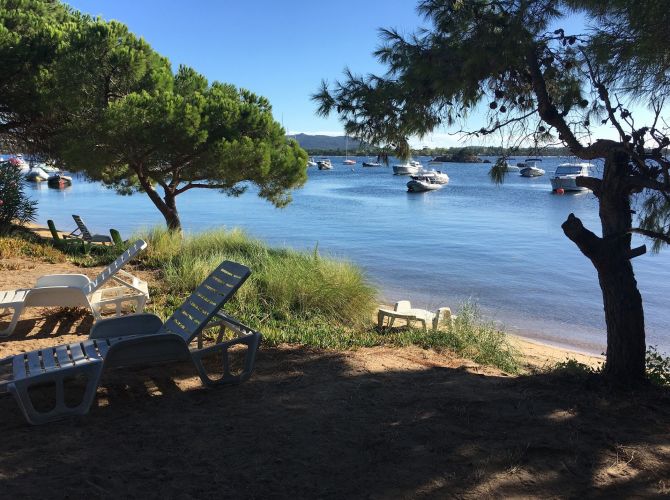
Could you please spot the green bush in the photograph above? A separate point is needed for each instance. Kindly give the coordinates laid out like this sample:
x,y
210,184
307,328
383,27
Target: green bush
x,y
658,367
15,206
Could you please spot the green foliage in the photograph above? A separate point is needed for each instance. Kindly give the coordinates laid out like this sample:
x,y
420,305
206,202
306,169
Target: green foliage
x,y
658,367
473,337
573,368
93,95
15,206
285,285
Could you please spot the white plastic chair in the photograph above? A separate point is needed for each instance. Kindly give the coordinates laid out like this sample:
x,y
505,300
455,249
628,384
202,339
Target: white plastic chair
x,y
77,290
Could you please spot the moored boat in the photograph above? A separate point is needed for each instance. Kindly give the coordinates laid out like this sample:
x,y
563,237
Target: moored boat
x,y
529,168
421,183
324,164
37,174
436,176
371,164
565,176
58,180
410,168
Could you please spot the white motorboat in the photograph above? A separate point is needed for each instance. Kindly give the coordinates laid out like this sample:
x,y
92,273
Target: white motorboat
x,y
324,164
371,164
410,168
311,162
437,176
566,174
37,174
529,168
421,183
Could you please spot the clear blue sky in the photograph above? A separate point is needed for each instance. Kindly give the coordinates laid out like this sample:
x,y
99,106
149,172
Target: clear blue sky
x,y
281,50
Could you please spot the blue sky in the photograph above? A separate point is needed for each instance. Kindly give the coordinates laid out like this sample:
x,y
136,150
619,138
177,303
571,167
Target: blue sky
x,y
281,50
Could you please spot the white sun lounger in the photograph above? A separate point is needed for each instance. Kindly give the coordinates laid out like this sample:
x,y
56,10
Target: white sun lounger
x,y
403,310
77,290
137,340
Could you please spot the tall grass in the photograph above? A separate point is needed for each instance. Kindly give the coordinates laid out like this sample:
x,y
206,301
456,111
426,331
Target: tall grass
x,y
285,284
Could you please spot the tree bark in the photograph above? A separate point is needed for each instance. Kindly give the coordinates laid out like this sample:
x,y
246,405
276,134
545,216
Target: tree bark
x,y
166,205
611,254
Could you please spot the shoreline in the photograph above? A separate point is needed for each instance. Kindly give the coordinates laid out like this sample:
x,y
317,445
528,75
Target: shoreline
x,y
536,354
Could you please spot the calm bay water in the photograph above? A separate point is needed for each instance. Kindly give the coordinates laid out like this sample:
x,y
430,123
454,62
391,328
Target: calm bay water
x,y
499,245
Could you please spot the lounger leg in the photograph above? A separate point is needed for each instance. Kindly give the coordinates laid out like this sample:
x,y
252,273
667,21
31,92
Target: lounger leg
x,y
19,390
251,341
12,324
380,320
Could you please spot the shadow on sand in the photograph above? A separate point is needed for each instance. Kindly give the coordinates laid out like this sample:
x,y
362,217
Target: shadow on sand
x,y
318,424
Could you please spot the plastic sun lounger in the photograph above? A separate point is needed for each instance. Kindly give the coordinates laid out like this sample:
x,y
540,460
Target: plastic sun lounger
x,y
83,233
403,310
136,340
77,290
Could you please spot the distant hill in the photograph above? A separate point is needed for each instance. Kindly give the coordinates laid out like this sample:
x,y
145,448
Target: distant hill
x,y
323,142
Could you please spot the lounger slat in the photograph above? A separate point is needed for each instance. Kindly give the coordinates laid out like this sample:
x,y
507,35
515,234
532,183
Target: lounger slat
x,y
48,359
200,302
103,347
77,353
90,350
191,324
197,315
175,327
34,364
63,356
19,366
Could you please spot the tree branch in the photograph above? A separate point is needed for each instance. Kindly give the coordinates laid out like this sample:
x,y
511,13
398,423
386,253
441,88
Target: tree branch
x,y
651,234
587,242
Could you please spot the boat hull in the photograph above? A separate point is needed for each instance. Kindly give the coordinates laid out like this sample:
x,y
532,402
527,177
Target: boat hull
x,y
415,186
405,169
566,184
531,172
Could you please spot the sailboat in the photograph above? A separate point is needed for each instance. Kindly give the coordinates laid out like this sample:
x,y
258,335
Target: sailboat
x,y
347,161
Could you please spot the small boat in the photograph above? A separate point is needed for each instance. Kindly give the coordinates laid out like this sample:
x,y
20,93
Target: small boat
x,y
371,164
311,162
529,168
349,161
422,183
37,174
58,180
324,164
410,168
436,176
565,176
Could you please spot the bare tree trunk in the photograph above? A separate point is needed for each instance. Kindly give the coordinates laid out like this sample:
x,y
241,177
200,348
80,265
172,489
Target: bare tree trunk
x,y
624,313
611,256
170,213
166,205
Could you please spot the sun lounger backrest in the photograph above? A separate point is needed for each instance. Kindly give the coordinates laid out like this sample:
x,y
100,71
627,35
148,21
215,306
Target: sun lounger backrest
x,y
85,233
112,269
190,319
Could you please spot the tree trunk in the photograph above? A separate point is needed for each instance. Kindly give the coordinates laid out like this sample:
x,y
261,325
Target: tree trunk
x,y
170,212
624,314
611,254
166,205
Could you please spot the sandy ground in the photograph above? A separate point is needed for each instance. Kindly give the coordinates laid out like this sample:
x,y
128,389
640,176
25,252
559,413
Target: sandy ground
x,y
370,423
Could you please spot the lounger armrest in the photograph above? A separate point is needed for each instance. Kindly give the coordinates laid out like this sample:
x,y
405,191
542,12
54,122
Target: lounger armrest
x,y
72,280
123,326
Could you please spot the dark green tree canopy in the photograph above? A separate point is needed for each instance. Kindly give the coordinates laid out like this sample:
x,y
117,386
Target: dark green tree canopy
x,y
99,99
